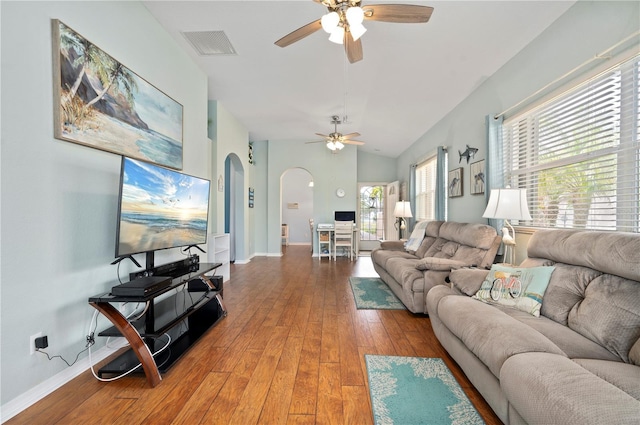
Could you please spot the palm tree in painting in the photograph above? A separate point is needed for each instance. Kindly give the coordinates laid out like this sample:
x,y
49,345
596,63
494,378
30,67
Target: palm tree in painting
x,y
113,75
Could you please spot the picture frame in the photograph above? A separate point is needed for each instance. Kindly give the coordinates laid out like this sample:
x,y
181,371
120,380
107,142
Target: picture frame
x,y
454,183
102,104
477,177
251,197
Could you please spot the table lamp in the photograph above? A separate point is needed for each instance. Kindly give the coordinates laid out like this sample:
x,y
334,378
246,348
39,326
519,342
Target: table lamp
x,y
402,211
508,204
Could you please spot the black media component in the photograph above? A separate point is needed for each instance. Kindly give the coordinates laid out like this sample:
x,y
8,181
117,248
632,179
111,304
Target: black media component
x,y
141,287
204,283
175,269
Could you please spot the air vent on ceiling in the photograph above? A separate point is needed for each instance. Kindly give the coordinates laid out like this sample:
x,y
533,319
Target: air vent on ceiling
x,y
210,43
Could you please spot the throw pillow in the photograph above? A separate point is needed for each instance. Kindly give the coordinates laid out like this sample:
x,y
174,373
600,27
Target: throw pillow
x,y
441,264
517,287
416,237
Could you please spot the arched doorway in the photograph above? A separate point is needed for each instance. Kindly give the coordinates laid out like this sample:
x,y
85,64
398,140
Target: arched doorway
x,y
296,206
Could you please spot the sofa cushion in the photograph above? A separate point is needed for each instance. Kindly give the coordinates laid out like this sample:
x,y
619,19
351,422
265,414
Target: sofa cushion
x,y
489,333
430,236
521,288
432,263
622,375
573,344
603,307
404,271
381,256
548,389
470,234
614,253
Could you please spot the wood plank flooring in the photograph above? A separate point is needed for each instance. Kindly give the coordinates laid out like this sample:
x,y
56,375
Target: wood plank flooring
x,y
290,351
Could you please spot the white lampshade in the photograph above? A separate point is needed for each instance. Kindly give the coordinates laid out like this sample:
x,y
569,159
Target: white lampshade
x,y
330,22
355,15
331,146
337,35
510,204
402,209
339,145
357,31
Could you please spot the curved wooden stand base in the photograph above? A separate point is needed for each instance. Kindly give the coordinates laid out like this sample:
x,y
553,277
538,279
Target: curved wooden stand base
x,y
135,340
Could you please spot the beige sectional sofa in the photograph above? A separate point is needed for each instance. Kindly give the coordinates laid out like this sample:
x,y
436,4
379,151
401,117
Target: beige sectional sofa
x,y
446,245
579,361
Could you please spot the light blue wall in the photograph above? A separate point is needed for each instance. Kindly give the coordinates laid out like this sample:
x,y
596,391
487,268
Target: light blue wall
x,y
260,183
58,210
329,171
295,189
585,30
376,168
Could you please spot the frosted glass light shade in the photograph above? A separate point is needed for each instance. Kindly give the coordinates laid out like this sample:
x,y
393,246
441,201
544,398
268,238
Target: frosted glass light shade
x,y
402,209
355,15
330,22
339,145
331,146
337,35
510,204
357,31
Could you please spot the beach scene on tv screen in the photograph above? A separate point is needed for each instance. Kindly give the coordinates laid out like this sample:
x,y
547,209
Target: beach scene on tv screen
x,y
161,209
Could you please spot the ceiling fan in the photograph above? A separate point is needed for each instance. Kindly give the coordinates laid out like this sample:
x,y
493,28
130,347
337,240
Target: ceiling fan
x,y
335,141
344,22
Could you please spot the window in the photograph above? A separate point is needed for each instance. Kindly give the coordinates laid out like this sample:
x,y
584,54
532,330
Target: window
x,y
578,155
426,189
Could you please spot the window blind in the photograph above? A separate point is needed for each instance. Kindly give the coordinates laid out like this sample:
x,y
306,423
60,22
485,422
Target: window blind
x,y
426,189
578,155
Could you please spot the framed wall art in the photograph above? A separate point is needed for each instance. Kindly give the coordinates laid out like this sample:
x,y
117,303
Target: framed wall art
x,y
100,103
454,186
476,174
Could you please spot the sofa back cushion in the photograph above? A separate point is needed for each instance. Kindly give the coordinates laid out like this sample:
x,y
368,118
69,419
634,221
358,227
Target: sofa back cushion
x,y
430,236
586,292
470,243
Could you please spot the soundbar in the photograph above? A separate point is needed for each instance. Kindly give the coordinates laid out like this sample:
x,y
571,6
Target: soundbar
x,y
141,287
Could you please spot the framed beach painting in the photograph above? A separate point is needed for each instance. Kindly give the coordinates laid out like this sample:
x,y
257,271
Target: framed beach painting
x,y
100,103
454,186
477,177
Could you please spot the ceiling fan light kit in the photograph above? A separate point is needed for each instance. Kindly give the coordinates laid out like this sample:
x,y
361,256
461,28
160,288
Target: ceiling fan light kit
x,y
344,22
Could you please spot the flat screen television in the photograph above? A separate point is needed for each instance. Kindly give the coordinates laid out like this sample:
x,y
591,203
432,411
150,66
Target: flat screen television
x,y
344,216
159,208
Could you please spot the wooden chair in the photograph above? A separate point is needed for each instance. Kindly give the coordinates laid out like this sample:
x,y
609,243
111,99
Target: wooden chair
x,y
343,237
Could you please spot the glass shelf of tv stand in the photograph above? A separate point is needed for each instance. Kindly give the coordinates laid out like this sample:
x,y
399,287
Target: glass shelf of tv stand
x,y
180,277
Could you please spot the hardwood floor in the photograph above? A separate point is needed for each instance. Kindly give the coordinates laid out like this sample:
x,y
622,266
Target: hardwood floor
x,y
290,351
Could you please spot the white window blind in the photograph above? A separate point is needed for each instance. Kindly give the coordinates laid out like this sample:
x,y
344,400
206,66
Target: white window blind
x,y
578,155
426,189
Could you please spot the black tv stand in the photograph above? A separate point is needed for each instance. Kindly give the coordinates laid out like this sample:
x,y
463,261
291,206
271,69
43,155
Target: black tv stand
x,y
184,322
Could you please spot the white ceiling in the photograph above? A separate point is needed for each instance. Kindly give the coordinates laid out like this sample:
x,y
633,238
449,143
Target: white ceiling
x,y
411,75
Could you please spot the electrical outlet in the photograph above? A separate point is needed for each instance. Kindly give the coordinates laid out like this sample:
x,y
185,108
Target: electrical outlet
x,y
32,342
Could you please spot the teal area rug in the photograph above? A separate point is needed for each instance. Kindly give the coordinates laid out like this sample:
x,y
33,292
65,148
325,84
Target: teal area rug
x,y
373,294
416,390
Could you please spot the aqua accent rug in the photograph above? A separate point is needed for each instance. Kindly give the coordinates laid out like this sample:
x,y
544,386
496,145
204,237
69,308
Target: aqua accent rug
x,y
417,390
371,293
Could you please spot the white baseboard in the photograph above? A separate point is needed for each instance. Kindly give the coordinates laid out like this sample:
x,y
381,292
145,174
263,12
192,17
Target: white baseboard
x,y
40,391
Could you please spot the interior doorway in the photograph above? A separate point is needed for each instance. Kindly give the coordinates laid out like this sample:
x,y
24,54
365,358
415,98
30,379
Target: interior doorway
x,y
234,207
296,206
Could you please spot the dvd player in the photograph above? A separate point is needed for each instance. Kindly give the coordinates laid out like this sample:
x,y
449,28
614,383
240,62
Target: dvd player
x,y
141,287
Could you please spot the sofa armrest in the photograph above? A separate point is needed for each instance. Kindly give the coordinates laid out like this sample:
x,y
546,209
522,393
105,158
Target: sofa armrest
x,y
468,280
392,245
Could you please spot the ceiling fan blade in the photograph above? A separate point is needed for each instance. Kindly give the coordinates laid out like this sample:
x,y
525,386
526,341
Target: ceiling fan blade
x,y
350,135
316,141
352,142
323,135
299,34
403,13
353,48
